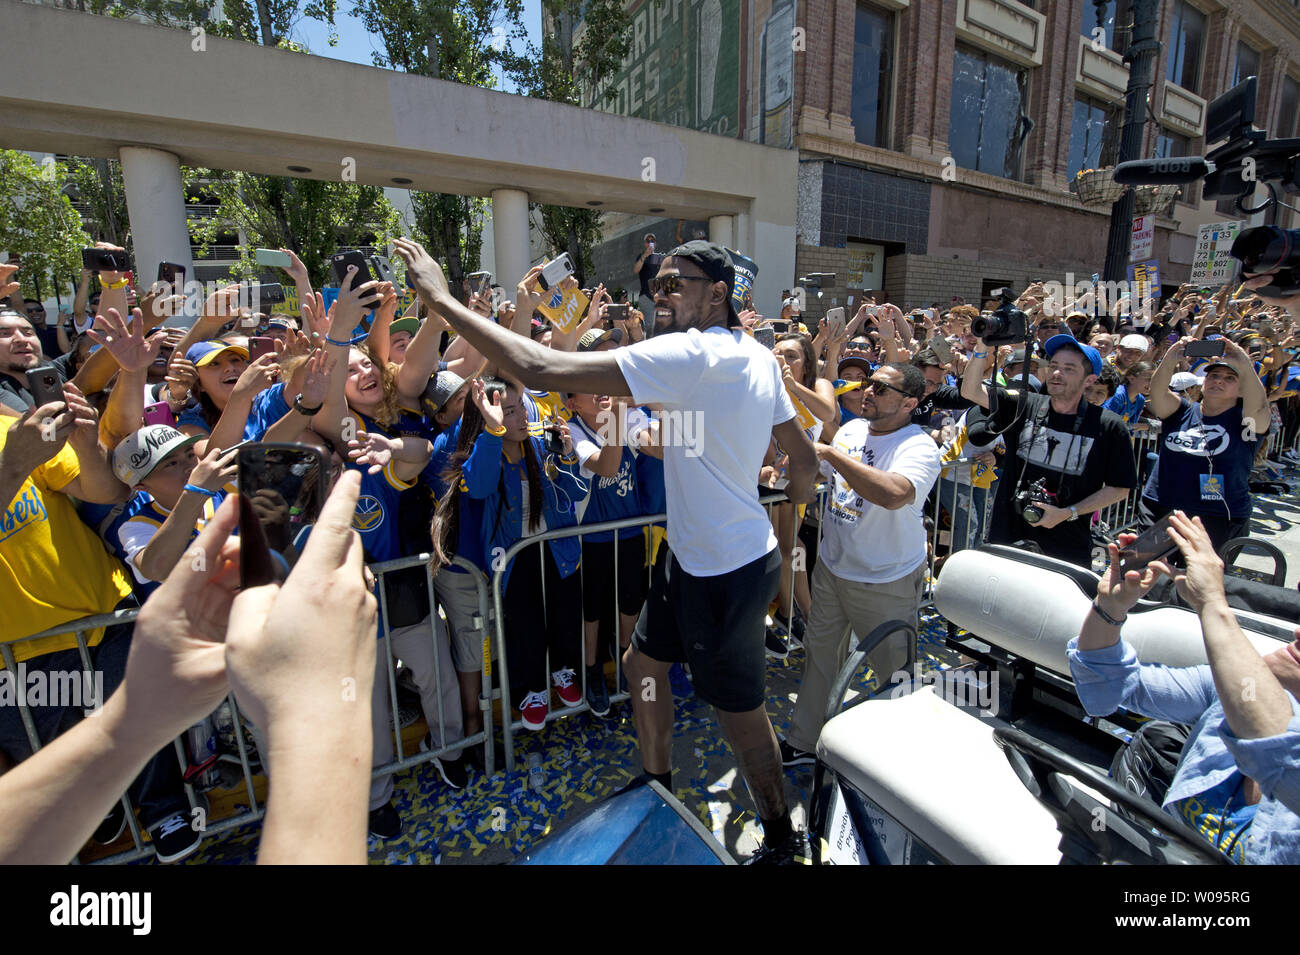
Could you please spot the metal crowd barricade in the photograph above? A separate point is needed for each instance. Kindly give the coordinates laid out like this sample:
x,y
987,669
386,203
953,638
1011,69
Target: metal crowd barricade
x,y
254,812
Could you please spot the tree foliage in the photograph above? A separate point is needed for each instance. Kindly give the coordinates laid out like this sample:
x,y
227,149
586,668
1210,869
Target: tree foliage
x,y
97,184
312,217
267,22
38,223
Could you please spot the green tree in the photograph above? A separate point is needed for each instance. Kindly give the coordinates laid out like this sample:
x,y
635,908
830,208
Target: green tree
x,y
464,41
97,184
268,22
312,217
38,223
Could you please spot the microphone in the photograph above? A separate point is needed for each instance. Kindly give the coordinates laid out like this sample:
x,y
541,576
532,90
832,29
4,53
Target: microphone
x,y
1154,172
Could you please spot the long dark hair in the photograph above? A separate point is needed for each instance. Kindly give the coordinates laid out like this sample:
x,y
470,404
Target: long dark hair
x,y
809,357
446,519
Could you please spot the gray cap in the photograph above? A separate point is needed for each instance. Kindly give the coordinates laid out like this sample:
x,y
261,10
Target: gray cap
x,y
440,389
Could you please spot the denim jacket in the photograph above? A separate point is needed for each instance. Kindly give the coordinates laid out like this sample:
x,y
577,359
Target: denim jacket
x,y
1112,677
493,498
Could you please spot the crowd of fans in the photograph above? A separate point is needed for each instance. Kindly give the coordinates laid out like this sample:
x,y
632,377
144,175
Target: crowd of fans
x,y
913,419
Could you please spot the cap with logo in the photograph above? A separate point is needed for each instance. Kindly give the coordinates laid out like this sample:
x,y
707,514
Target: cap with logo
x,y
440,389
1091,354
137,456
593,338
715,263
205,353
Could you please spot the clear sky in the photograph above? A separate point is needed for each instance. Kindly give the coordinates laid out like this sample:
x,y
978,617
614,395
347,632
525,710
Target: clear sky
x,y
356,45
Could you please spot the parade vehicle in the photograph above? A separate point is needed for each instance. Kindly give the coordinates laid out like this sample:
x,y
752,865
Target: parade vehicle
x,y
995,761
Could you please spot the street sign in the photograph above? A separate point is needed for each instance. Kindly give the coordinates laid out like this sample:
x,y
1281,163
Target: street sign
x,y
1144,238
1211,263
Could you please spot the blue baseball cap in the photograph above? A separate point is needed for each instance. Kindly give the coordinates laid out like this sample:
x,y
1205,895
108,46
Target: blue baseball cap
x,y
205,353
1090,353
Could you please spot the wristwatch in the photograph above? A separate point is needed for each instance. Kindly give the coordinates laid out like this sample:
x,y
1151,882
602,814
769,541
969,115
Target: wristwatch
x,y
1074,512
302,409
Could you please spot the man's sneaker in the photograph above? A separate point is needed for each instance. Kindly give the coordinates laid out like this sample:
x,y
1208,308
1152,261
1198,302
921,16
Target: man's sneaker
x,y
173,839
795,850
775,645
110,830
386,821
797,626
452,770
794,757
597,692
534,710
566,687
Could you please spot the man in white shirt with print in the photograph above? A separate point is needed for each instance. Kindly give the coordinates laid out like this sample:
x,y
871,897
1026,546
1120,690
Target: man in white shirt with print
x,y
711,586
871,562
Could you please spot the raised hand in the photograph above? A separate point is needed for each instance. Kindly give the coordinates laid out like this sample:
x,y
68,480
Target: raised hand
x,y
492,412
215,469
373,449
316,380
128,346
424,274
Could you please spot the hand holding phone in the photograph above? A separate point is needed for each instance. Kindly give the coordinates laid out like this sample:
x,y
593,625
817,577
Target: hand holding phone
x,y
555,271
272,258
44,384
1151,544
1204,349
281,490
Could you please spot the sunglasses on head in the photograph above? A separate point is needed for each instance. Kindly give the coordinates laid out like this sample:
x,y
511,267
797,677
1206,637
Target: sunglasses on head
x,y
668,284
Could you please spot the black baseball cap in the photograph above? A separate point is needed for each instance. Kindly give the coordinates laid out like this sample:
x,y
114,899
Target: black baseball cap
x,y
714,262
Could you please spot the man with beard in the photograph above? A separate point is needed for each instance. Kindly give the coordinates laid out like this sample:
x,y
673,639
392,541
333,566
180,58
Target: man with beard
x,y
1072,456
713,582
871,561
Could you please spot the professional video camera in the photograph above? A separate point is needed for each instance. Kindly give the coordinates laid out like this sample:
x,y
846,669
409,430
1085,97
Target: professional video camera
x,y
1232,171
1006,326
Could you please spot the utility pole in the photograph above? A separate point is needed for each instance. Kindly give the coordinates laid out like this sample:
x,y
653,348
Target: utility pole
x,y
1142,49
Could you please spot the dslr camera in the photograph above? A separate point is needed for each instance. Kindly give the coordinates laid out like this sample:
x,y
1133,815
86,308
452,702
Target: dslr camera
x,y
1006,326
1029,498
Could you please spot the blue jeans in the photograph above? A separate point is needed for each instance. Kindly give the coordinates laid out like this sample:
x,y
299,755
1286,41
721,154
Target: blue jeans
x,y
967,512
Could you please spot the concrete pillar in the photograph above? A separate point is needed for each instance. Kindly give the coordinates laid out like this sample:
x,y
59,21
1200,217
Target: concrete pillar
x,y
155,201
722,232
510,236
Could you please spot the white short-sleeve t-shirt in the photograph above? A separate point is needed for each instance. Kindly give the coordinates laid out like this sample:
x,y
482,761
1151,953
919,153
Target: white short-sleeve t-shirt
x,y
862,541
721,394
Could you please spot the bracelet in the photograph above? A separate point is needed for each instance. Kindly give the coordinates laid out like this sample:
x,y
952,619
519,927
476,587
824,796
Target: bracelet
x,y
123,283
306,410
496,432
335,341
979,354
202,490
1107,617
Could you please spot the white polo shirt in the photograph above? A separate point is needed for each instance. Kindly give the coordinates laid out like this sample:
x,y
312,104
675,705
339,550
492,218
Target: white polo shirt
x,y
722,394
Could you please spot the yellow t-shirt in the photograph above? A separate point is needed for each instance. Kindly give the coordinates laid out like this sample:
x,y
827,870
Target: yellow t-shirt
x,y
53,569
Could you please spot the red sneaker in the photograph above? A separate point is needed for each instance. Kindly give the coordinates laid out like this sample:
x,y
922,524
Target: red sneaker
x,y
566,687
534,710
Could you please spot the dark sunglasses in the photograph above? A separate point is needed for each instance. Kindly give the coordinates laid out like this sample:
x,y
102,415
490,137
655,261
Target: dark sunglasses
x,y
879,387
668,284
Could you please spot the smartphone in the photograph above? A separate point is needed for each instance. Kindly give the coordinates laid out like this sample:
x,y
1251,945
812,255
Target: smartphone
x,y
270,293
617,312
1152,544
271,257
44,384
340,262
554,443
834,321
281,490
765,335
105,260
779,326
257,347
159,413
479,282
939,345
555,271
384,269
172,274
1212,349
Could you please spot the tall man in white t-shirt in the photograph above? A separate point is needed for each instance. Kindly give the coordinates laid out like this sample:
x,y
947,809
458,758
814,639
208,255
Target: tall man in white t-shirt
x,y
871,562
722,399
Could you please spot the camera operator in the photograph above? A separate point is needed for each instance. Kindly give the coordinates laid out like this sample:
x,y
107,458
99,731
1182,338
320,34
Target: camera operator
x,y
646,268
1235,779
1066,458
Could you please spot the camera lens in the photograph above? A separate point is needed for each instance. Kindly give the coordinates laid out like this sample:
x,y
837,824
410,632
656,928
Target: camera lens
x,y
1265,248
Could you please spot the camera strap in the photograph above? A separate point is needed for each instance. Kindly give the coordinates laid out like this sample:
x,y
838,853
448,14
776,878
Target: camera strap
x,y
1039,420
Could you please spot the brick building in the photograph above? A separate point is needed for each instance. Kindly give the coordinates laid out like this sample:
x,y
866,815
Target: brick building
x,y
1009,99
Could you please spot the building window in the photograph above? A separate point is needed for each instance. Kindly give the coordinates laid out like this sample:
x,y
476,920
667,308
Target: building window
x,y
873,46
987,124
1247,64
1117,11
1287,110
1172,144
1186,38
1092,136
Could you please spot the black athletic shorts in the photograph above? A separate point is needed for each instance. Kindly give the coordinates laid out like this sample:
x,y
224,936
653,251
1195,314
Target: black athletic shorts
x,y
716,624
598,577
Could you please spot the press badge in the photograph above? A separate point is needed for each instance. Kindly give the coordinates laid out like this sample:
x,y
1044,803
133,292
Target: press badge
x,y
1211,487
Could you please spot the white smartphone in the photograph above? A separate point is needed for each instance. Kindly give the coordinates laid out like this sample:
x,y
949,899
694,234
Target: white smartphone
x,y
555,271
835,321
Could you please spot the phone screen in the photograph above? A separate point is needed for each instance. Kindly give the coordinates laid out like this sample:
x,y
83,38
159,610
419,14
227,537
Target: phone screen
x,y
1152,544
281,490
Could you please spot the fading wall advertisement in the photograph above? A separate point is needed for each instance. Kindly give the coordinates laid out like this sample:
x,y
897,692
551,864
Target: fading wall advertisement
x,y
706,65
